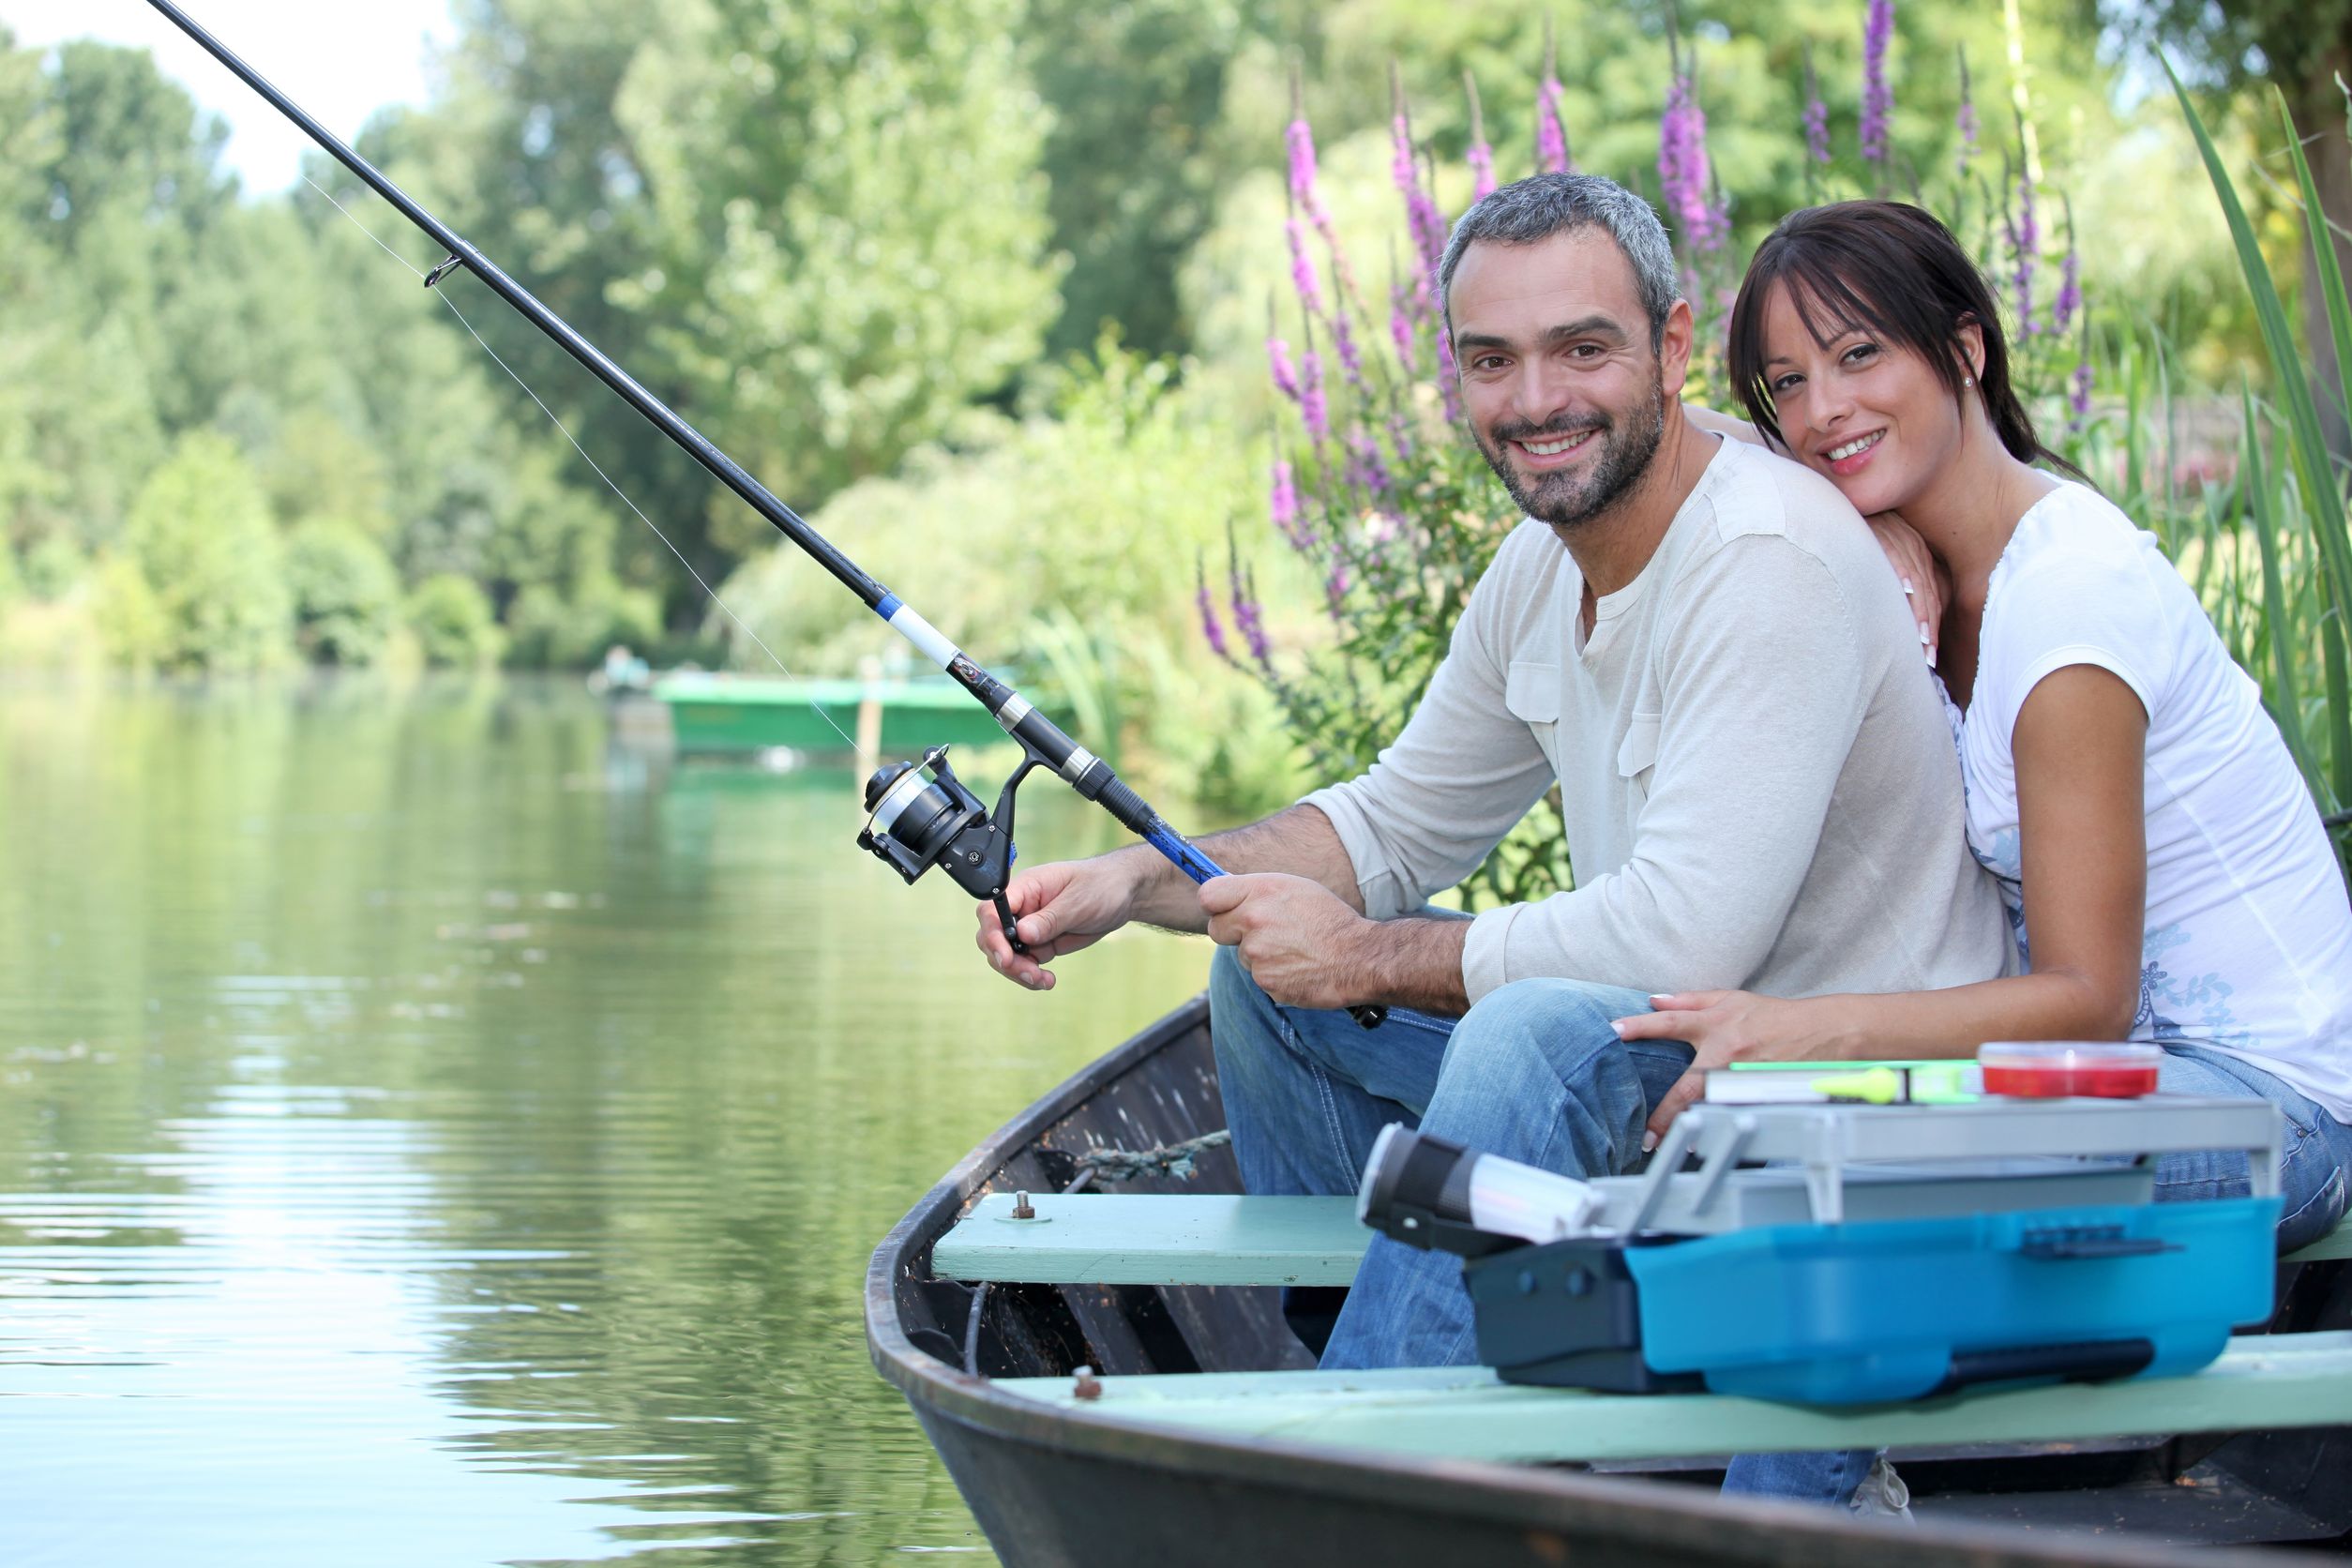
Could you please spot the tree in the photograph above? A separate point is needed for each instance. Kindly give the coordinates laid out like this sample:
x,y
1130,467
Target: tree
x,y
1133,157
854,229
202,537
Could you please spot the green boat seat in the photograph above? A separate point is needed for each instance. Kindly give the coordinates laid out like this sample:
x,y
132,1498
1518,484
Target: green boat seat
x,y
1464,1413
2335,1243
1204,1239
1156,1239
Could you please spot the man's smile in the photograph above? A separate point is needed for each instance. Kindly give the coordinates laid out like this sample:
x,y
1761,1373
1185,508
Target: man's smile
x,y
1552,451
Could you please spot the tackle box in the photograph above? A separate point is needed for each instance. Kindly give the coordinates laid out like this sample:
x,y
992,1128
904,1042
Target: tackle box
x,y
1840,1296
1883,1310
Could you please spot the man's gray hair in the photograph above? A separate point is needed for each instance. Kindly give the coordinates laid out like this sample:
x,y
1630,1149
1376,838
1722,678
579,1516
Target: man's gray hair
x,y
1534,209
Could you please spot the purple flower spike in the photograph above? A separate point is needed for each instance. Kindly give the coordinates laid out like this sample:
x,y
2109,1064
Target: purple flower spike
x,y
1312,408
1481,163
1301,141
1400,325
1449,383
1336,585
1344,340
1286,376
1249,616
1211,628
2079,400
1283,501
2025,238
1303,276
2070,295
1364,464
1683,168
1551,136
1877,98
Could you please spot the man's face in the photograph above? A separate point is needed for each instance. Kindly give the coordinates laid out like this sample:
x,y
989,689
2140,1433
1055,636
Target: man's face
x,y
1564,396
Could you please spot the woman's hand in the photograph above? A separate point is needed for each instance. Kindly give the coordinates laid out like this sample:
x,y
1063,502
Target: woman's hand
x,y
1922,575
1723,1027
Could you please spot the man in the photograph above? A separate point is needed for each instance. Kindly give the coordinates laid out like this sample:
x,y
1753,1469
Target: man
x,y
1702,644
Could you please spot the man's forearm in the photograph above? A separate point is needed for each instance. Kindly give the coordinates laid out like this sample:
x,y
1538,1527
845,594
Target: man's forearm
x,y
1412,963
1299,839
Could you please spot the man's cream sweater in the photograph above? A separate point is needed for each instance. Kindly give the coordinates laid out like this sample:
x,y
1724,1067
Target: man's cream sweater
x,y
1759,782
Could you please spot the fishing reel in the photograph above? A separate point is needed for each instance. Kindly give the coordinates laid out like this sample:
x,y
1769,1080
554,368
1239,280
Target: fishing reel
x,y
915,823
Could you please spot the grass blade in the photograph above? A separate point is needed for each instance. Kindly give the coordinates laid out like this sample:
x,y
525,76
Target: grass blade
x,y
2309,447
2287,705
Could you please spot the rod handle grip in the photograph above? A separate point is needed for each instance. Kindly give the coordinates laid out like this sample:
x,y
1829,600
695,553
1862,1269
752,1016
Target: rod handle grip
x,y
1187,858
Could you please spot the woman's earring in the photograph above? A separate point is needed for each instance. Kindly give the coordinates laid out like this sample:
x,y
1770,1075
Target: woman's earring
x,y
1968,380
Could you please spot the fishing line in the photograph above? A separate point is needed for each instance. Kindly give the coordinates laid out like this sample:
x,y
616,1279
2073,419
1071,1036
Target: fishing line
x,y
920,814
442,295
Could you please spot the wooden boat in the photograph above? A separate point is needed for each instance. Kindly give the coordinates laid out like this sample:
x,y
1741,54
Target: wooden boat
x,y
1204,1440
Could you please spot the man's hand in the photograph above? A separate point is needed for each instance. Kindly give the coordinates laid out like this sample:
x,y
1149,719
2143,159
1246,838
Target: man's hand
x,y
1295,936
1059,909
1923,577
1723,1027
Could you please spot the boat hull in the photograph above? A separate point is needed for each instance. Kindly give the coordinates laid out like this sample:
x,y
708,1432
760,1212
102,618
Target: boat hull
x,y
1057,1487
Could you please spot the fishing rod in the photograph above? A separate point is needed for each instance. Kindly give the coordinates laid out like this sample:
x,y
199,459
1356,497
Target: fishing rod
x,y
919,814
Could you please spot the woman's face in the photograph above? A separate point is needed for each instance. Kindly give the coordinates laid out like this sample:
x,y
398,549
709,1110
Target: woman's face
x,y
1874,417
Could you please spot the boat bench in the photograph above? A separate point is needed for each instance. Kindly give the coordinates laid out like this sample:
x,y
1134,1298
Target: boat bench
x,y
1202,1239
2261,1381
1465,1413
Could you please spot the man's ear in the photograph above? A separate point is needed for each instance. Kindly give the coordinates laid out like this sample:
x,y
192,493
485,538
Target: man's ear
x,y
1674,348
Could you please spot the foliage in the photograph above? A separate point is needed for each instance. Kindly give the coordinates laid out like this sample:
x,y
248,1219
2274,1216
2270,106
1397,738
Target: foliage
x,y
548,632
200,537
852,227
451,617
1148,78
1050,550
346,595
1371,481
2290,618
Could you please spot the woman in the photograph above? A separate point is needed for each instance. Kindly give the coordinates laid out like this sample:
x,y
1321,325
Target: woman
x,y
2163,866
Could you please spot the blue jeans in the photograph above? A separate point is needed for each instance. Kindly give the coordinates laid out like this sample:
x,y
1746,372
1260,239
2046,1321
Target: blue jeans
x,y
1535,1074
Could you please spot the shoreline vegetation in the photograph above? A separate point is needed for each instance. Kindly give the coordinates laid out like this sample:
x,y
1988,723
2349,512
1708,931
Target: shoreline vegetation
x,y
1172,431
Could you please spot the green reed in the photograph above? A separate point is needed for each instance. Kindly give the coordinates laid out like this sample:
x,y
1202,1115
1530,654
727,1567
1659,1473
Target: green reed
x,y
2268,548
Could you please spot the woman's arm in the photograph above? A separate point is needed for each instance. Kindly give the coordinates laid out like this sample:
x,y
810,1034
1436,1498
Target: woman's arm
x,y
2080,747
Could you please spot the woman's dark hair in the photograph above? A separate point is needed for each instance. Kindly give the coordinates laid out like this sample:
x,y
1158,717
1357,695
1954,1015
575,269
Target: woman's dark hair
x,y
1893,270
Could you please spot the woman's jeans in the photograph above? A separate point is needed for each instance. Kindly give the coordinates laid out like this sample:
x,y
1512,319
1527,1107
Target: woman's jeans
x,y
1535,1074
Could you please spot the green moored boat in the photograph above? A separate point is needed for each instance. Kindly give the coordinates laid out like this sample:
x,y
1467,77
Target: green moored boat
x,y
715,713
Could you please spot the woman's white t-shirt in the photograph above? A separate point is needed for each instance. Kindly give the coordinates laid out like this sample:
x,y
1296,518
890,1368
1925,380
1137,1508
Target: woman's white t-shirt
x,y
2248,943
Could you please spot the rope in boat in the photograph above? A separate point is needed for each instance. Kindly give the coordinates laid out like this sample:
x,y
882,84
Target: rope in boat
x,y
1166,1159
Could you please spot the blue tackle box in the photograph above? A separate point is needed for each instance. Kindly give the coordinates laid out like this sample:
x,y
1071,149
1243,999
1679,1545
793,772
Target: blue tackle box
x,y
1859,1305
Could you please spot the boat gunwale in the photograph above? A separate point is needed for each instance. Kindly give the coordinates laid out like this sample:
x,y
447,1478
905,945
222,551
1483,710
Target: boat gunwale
x,y
1541,1498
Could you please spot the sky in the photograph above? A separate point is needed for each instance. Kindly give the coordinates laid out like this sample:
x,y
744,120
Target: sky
x,y
373,54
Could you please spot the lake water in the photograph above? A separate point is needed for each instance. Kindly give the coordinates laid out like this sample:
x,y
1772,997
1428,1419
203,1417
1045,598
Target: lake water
x,y
432,1134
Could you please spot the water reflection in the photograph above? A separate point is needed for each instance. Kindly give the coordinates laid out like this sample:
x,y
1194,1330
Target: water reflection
x,y
431,1134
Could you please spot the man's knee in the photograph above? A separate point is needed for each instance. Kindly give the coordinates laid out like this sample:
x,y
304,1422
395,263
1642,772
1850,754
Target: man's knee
x,y
1566,1022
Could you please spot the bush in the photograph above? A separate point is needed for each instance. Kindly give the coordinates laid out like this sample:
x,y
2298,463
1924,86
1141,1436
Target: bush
x,y
454,627
346,595
201,535
127,616
546,632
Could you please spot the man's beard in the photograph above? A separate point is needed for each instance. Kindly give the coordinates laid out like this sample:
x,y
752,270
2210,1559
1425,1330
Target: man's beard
x,y
1568,497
